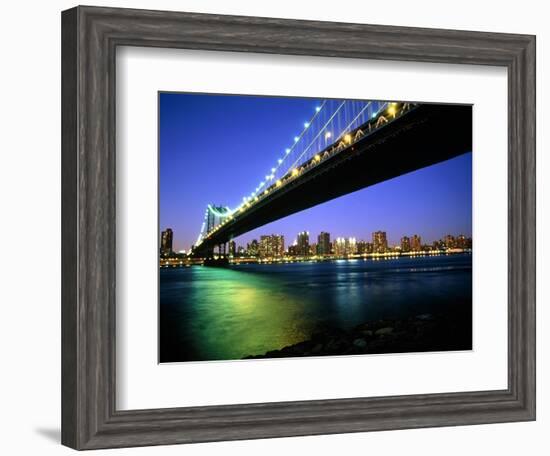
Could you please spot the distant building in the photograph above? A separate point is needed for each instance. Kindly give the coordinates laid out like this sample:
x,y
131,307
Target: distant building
x,y
379,241
450,241
323,243
351,246
302,243
313,249
362,247
340,247
293,250
272,246
252,248
416,243
345,246
405,244
461,242
166,239
369,247
232,248
240,251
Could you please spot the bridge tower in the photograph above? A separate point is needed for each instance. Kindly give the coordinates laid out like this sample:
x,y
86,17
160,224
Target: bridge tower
x,y
214,218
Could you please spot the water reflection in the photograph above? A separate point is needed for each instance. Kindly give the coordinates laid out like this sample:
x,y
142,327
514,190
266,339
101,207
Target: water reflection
x,y
228,313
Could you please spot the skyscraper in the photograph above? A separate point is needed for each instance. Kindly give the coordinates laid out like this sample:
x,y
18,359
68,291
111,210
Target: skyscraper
x,y
345,246
232,248
379,241
303,243
252,248
323,243
280,245
405,244
351,246
272,246
416,243
166,239
340,247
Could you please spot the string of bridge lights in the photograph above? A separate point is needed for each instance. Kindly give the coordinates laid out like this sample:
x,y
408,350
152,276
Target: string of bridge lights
x,y
269,177
271,174
227,215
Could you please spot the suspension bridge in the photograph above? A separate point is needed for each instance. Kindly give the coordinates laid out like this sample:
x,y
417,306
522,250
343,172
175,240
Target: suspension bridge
x,y
347,145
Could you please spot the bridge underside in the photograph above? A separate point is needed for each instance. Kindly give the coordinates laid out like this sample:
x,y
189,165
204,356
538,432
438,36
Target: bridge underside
x,y
426,135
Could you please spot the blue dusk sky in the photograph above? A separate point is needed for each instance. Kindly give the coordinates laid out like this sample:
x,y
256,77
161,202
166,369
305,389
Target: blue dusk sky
x,y
216,148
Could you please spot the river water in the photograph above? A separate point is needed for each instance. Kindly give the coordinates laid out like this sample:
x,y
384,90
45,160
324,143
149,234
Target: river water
x,y
228,313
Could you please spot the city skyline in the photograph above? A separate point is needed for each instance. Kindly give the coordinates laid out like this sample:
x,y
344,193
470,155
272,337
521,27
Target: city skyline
x,y
377,240
253,131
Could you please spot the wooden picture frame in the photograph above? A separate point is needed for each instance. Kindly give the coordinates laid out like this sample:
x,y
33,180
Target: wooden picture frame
x,y
90,36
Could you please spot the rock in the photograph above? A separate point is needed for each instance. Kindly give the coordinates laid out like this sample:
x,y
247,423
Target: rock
x,y
384,331
364,326
360,343
332,345
317,348
417,333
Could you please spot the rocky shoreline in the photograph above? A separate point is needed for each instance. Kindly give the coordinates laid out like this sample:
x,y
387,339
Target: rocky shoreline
x,y
426,332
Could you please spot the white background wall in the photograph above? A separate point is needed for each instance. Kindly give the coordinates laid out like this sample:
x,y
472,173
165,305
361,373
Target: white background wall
x,y
30,203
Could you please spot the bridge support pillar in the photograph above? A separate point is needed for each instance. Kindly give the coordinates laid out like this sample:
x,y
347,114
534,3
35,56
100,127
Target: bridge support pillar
x,y
217,260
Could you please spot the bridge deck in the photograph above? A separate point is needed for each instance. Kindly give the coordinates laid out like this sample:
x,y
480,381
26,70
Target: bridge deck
x,y
424,136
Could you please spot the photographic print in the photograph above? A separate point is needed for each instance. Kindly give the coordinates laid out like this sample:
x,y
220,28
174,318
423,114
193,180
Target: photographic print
x,y
301,227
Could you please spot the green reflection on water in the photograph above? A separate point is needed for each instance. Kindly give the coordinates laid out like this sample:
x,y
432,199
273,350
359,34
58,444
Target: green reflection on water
x,y
241,313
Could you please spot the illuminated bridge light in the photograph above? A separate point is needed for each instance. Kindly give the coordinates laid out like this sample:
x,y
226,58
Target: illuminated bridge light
x,y
305,162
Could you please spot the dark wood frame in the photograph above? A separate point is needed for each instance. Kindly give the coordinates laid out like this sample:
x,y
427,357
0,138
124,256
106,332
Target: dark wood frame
x,y
90,36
